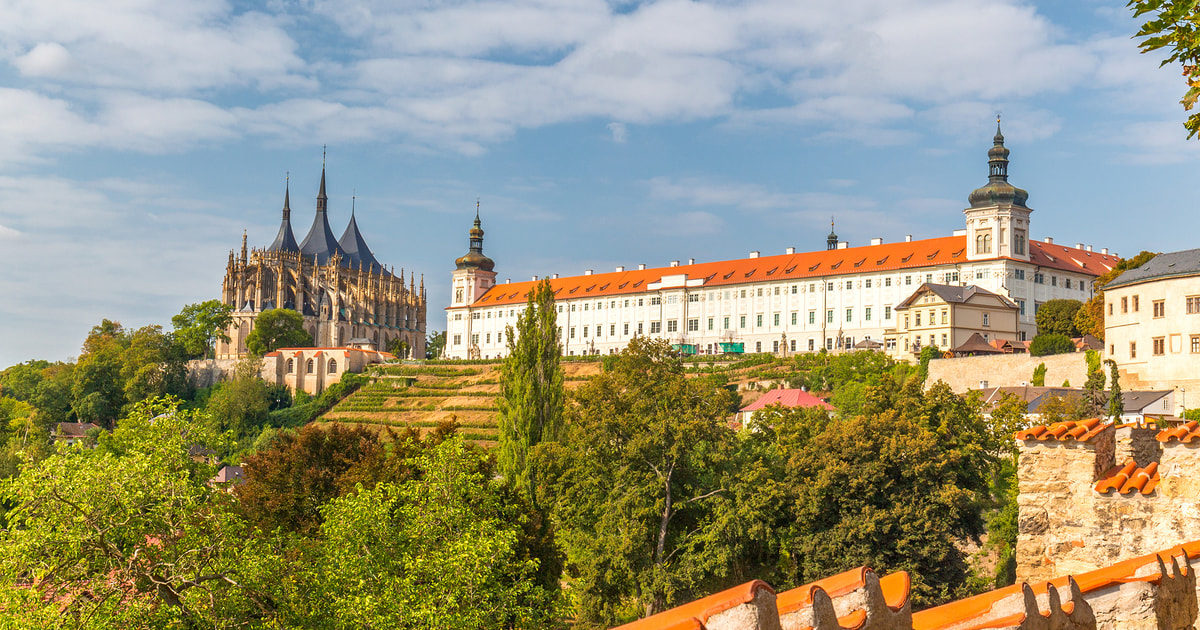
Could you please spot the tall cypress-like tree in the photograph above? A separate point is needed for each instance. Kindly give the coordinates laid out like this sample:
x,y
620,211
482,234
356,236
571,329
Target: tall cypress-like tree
x,y
531,400
1116,404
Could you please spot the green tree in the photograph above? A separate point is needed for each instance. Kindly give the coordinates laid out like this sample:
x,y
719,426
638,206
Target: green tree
x,y
1116,404
300,471
435,344
242,403
1174,26
21,380
531,388
1039,376
199,326
277,328
126,535
1093,387
633,480
1058,317
447,531
845,516
1051,343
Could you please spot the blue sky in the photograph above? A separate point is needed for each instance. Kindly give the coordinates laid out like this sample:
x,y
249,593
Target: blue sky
x,y
138,138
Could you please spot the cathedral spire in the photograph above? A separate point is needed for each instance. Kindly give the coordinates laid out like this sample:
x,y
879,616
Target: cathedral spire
x,y
322,199
998,157
320,241
285,240
831,242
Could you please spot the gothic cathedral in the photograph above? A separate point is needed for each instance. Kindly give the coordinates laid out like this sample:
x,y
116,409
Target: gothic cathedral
x,y
345,295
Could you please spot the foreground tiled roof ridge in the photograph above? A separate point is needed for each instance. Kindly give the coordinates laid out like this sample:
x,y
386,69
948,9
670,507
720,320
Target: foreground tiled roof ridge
x,y
807,266
695,614
1078,430
1186,433
1001,609
1130,478
858,599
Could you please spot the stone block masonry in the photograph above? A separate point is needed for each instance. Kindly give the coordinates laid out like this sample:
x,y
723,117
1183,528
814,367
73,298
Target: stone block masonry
x,y
1093,494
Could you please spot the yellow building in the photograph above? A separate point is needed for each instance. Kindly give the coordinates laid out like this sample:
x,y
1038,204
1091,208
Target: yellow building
x,y
1152,325
946,316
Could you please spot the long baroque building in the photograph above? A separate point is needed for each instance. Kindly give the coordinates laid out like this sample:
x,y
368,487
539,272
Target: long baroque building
x,y
793,302
341,289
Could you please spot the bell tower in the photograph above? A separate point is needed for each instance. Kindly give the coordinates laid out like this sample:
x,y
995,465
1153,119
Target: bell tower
x,y
473,274
998,219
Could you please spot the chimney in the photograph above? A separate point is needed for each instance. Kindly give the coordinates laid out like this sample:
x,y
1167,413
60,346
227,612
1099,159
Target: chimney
x,y
1089,248
1049,240
535,278
1078,245
674,263
555,276
908,238
620,267
508,281
790,250
691,261
1104,251
587,272
754,254
641,266
877,241
843,245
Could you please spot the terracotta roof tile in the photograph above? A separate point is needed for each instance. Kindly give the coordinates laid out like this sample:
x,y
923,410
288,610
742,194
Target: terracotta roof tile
x,y
934,251
1186,433
695,614
1078,430
787,398
1130,478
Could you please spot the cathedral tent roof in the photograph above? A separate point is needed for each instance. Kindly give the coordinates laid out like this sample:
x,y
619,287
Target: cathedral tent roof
x,y
320,241
356,248
285,241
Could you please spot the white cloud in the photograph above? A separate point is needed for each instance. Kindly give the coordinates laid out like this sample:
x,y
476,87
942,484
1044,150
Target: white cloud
x,y
7,233
46,59
619,132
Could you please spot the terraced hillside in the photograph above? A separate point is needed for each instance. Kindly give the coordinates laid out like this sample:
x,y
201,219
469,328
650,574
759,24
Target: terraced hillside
x,y
421,396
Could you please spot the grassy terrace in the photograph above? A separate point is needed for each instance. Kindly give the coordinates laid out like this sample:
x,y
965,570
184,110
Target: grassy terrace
x,y
421,396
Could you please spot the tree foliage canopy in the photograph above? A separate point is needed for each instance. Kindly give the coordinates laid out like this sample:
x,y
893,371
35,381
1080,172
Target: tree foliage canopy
x,y
1058,317
1051,343
1174,26
531,387
277,328
199,326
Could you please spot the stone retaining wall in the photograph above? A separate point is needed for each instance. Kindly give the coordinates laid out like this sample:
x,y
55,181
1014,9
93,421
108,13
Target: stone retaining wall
x,y
1007,370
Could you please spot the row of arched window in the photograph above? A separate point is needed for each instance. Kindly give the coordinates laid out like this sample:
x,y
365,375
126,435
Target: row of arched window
x,y
310,366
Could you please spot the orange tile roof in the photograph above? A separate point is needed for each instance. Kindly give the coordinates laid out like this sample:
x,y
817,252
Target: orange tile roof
x,y
990,610
787,398
1186,433
1130,478
695,614
1078,430
799,266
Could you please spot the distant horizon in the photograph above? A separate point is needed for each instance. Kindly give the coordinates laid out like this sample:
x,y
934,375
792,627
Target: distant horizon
x,y
142,140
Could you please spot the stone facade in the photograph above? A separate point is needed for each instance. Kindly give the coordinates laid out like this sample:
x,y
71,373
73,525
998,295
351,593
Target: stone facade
x,y
337,285
1114,493
314,369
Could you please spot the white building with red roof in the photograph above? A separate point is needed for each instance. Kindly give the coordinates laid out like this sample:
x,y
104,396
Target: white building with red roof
x,y
794,302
